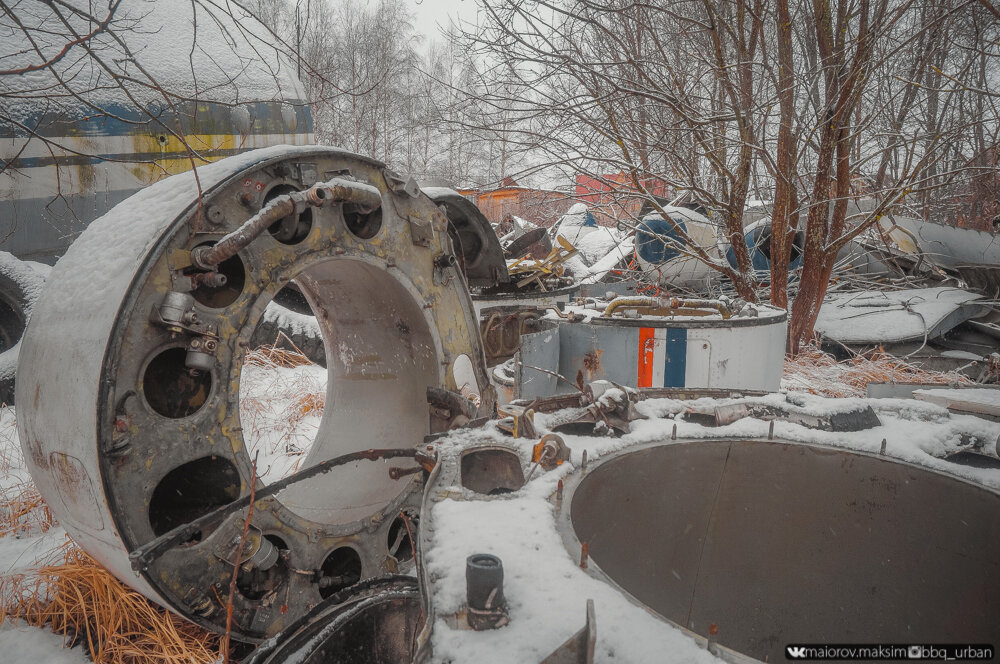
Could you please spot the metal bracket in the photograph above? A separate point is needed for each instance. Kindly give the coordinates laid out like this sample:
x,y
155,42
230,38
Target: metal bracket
x,y
579,648
421,231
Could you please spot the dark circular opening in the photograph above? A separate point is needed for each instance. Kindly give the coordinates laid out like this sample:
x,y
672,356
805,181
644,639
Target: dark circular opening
x,y
192,490
173,390
598,428
399,542
255,583
657,239
770,542
292,228
764,243
342,568
364,225
492,472
484,560
222,296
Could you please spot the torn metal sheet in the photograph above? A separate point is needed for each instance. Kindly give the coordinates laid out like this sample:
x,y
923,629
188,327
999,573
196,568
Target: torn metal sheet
x,y
948,247
880,317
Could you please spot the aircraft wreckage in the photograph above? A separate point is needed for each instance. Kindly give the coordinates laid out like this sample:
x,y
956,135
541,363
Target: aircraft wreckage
x,y
575,526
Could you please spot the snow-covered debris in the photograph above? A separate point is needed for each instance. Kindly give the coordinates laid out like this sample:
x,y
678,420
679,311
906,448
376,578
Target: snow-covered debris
x,y
576,224
878,316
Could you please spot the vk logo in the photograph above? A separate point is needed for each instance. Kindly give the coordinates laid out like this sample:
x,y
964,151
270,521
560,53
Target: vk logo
x,y
795,652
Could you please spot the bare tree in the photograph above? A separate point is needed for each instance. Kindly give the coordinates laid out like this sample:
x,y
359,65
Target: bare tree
x,y
810,103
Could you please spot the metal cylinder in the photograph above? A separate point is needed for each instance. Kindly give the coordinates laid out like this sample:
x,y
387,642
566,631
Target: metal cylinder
x,y
800,543
484,591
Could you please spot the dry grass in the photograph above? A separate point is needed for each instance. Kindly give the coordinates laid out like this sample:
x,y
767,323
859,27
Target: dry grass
x,y
23,511
817,372
81,600
272,356
280,409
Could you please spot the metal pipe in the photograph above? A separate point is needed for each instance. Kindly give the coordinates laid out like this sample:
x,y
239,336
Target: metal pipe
x,y
664,303
364,196
703,304
620,302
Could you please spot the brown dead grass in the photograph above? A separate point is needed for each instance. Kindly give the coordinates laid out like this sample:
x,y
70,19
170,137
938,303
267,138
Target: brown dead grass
x,y
817,372
80,599
272,356
23,511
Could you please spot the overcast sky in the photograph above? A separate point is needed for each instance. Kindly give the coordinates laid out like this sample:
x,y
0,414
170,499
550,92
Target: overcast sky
x,y
428,14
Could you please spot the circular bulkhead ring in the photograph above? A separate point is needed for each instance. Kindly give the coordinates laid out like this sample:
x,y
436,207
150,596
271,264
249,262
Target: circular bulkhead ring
x,y
393,317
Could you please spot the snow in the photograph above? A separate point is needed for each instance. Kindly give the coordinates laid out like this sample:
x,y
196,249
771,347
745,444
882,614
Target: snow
x,y
523,534
889,316
576,224
545,588
30,280
614,256
291,322
25,644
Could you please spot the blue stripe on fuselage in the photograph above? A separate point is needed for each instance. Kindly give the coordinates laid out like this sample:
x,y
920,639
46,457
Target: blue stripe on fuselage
x,y
675,358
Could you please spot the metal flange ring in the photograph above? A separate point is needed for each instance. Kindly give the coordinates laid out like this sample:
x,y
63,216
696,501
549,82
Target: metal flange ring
x,y
130,375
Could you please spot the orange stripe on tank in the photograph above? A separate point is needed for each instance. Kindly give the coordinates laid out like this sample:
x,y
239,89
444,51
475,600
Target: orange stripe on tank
x,y
645,378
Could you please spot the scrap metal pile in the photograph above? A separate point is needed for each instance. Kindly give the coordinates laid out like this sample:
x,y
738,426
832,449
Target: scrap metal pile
x,y
518,459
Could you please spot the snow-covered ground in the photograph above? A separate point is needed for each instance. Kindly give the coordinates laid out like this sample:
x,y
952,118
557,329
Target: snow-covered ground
x,y
542,579
282,407
38,646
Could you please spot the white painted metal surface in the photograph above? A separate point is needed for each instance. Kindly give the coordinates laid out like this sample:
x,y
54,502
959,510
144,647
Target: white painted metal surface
x,y
679,267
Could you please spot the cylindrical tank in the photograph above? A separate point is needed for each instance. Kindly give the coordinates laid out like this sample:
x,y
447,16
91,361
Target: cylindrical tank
x,y
195,84
743,351
758,241
757,545
661,251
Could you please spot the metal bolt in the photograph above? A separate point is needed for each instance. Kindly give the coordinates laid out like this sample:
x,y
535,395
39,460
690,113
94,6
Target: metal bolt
x,y
584,554
215,215
770,430
882,450
673,433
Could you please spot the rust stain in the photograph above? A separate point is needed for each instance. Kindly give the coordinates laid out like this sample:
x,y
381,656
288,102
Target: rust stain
x,y
592,362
